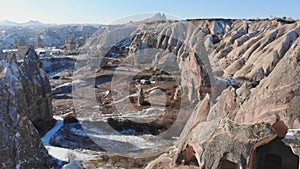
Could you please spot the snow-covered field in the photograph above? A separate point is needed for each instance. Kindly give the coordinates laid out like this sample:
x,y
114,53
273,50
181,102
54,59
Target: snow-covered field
x,y
106,137
65,154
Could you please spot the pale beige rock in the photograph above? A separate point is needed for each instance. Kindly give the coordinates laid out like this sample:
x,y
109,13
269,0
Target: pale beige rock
x,y
278,94
244,91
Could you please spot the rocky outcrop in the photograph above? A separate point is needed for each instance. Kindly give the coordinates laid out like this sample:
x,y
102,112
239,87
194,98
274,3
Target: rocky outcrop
x,y
20,143
228,141
222,143
38,91
211,144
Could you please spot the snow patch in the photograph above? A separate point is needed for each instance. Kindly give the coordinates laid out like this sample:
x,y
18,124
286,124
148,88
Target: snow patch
x,y
18,134
291,134
65,154
46,138
74,164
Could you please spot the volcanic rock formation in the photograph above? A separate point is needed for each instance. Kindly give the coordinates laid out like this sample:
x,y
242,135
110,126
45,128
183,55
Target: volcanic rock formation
x,y
38,91
20,143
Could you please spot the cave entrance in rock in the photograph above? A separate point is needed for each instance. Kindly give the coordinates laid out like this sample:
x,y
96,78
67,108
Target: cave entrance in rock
x,y
275,155
187,156
226,164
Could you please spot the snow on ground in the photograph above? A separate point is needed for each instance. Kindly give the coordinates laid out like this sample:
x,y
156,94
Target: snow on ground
x,y
291,134
64,154
106,137
46,138
112,141
146,115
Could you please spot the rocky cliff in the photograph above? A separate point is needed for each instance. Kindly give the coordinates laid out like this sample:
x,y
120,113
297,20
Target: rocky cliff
x,y
26,107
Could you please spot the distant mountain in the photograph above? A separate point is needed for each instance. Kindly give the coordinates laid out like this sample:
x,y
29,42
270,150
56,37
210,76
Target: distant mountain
x,y
28,23
157,17
32,23
145,17
8,23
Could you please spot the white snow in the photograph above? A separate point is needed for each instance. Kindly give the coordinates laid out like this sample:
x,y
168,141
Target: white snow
x,y
18,134
64,153
150,113
291,134
74,164
46,138
112,141
122,143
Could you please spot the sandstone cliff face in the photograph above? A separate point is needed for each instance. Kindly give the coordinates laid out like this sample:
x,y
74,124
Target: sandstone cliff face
x,y
260,61
20,143
264,60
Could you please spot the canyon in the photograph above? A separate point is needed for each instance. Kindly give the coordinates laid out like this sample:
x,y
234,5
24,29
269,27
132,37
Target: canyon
x,y
198,93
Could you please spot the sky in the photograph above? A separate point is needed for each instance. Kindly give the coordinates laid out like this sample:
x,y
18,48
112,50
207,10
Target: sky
x,y
108,11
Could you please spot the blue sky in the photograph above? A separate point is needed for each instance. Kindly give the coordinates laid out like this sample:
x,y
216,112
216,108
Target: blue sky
x,y
107,11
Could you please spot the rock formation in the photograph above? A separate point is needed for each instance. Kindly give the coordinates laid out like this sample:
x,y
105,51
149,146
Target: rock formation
x,y
38,91
277,94
272,152
259,63
20,143
252,77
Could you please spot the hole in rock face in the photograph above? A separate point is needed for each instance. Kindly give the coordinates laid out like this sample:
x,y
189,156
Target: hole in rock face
x,y
55,77
275,155
226,164
187,157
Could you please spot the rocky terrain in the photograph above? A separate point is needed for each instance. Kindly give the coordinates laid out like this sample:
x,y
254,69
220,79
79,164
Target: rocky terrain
x,y
207,93
69,37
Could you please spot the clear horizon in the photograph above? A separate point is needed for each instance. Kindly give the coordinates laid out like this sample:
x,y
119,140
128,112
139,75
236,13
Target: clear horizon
x,y
105,12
